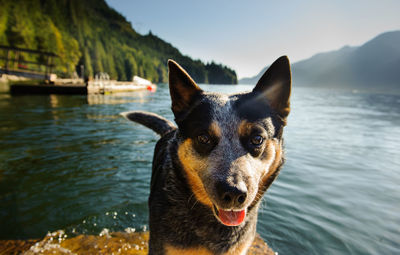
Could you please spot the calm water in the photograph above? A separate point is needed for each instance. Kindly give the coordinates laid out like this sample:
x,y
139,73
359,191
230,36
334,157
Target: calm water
x,y
71,162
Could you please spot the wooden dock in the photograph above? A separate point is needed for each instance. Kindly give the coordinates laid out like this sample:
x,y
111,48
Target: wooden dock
x,y
67,87
37,66
24,88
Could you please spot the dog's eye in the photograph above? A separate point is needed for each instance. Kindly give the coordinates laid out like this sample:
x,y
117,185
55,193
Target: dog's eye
x,y
257,140
203,139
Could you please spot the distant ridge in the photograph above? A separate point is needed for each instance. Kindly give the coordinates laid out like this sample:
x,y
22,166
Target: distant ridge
x,y
374,65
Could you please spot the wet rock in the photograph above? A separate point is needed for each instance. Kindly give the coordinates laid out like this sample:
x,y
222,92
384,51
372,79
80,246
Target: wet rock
x,y
108,243
14,247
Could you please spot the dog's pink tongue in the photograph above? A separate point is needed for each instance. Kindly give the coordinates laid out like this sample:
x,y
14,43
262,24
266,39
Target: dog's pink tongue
x,y
231,218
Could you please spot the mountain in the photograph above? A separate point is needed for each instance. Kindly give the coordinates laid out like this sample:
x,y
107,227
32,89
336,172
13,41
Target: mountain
x,y
373,65
92,34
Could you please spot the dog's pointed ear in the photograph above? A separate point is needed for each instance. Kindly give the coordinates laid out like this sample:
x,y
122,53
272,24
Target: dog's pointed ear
x,y
275,86
182,88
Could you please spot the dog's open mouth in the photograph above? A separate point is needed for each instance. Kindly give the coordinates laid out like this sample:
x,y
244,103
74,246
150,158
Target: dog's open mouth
x,y
230,217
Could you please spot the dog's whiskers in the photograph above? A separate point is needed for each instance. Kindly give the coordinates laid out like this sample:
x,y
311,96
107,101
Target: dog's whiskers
x,y
194,204
191,196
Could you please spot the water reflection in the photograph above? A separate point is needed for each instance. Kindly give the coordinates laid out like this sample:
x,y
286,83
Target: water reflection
x,y
139,97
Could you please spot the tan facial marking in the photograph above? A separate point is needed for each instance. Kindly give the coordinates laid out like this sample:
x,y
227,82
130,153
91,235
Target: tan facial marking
x,y
171,250
271,157
271,149
277,147
244,128
275,155
215,129
192,165
269,154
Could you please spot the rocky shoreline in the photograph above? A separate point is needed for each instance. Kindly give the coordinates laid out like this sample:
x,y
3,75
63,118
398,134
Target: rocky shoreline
x,y
105,243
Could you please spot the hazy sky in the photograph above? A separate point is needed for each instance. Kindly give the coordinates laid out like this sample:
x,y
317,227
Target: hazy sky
x,y
248,35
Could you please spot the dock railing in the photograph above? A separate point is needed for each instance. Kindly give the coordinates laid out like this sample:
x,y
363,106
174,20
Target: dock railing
x,y
29,63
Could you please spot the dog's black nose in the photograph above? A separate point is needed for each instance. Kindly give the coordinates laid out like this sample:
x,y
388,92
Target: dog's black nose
x,y
230,195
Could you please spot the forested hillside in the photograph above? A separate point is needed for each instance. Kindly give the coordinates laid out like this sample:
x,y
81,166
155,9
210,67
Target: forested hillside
x,y
92,34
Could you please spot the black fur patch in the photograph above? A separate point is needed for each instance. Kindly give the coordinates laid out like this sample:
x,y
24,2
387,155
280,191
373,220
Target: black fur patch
x,y
197,122
255,109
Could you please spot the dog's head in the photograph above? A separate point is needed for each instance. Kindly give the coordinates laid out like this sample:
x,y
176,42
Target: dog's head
x,y
230,146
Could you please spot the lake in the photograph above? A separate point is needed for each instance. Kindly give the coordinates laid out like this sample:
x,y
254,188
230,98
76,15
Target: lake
x,y
73,163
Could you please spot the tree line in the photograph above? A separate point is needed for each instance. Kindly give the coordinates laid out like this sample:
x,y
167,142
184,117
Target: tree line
x,y
92,34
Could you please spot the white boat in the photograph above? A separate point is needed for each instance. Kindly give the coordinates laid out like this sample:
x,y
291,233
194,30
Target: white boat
x,y
103,85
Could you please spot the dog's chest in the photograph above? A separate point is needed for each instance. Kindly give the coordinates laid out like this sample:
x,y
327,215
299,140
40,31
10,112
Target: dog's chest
x,y
239,249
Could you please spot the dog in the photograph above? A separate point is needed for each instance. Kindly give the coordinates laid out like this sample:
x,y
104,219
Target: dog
x,y
211,170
